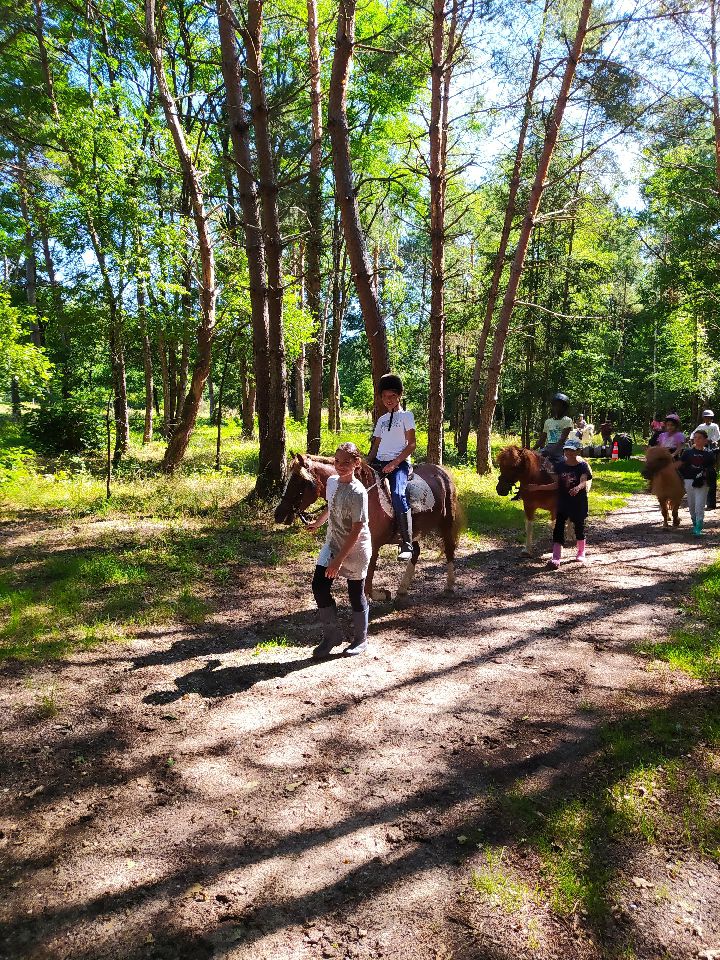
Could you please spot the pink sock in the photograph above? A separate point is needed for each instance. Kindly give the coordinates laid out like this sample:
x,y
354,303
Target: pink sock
x,y
580,550
557,553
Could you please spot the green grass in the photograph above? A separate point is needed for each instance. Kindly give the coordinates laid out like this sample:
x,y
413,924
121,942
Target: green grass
x,y
274,643
654,782
494,881
695,646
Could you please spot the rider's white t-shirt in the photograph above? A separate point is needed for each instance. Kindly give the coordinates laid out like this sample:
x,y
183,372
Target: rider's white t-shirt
x,y
393,439
713,431
553,429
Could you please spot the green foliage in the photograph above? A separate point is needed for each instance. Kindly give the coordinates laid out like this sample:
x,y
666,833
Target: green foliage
x,y
67,425
20,359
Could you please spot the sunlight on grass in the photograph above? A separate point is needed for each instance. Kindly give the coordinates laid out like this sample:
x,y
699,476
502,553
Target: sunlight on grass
x,y
695,646
282,642
494,881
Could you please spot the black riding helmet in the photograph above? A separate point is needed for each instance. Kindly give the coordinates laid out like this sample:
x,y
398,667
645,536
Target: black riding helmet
x,y
390,381
560,398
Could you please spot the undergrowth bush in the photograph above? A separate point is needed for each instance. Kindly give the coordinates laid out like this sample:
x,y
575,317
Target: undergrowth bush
x,y
71,425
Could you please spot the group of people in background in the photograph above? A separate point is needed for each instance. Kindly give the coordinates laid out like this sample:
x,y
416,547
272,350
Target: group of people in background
x,y
347,548
697,457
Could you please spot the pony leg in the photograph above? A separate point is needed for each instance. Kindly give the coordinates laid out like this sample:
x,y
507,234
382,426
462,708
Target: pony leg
x,y
664,508
409,571
528,535
370,593
675,515
450,543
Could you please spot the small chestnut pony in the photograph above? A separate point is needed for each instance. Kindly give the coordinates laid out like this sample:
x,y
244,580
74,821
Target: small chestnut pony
x,y
519,465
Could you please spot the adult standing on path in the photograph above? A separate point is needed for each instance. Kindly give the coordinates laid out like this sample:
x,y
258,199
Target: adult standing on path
x,y
713,434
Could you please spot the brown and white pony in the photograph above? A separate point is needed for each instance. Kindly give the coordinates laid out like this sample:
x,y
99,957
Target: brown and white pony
x,y
519,465
665,483
307,478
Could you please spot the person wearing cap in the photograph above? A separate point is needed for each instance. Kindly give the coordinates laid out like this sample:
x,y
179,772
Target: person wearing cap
x,y
713,435
556,428
573,475
672,436
393,443
711,429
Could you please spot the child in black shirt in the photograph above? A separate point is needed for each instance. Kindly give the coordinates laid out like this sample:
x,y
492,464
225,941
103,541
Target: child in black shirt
x,y
695,463
573,475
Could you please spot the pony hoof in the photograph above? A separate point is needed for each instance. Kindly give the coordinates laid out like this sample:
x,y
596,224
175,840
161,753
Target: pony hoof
x,y
380,596
402,601
449,592
524,552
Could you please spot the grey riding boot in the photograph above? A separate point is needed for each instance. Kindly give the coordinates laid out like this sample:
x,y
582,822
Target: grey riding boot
x,y
405,551
360,629
331,630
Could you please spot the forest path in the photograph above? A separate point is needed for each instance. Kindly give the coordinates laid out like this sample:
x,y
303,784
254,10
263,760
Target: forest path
x,y
198,797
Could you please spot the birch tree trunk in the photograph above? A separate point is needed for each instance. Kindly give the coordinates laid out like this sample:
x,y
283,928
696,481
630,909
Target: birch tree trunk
x,y
501,332
355,242
313,279
206,331
499,263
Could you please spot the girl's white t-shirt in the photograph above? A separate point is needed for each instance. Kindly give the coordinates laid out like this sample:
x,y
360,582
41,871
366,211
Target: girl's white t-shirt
x,y
393,438
347,504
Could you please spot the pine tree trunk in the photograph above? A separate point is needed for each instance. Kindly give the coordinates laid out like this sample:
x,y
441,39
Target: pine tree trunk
x,y
270,443
439,72
355,242
251,33
715,86
501,332
313,279
166,406
499,262
206,331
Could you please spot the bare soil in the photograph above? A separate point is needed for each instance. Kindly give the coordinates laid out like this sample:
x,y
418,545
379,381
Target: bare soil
x,y
195,798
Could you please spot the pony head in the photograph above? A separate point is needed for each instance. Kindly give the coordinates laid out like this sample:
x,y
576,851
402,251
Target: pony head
x,y
656,459
300,490
512,462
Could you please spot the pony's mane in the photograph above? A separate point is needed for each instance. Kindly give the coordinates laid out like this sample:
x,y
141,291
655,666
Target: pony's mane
x,y
513,455
364,472
656,459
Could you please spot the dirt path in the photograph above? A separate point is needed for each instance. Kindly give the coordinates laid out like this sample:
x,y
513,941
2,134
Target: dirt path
x,y
194,800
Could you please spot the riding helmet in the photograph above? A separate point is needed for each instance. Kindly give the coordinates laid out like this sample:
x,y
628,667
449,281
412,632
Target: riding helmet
x,y
561,398
672,416
390,381
707,413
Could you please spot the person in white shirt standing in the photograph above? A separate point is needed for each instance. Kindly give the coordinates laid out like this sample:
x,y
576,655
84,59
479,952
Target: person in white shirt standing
x,y
707,426
393,443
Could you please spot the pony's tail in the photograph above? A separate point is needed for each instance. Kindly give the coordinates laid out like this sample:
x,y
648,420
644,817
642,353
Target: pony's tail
x,y
451,506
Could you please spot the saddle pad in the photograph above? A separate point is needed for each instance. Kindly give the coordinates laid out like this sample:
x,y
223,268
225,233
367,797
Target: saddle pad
x,y
419,495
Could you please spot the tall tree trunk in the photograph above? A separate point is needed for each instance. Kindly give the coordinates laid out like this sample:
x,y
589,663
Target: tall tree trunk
x,y
333,384
172,367
178,444
211,395
355,242
251,33
313,279
30,260
247,400
166,407
270,441
715,86
147,363
499,262
440,72
299,371
501,332
15,406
